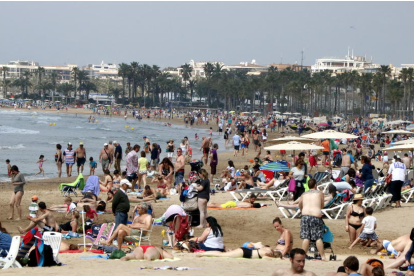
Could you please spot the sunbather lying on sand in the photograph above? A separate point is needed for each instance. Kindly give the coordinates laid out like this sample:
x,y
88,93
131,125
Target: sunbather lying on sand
x,y
248,203
242,252
147,252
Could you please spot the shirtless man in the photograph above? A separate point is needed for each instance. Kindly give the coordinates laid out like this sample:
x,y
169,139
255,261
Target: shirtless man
x,y
80,154
297,267
46,221
143,221
395,247
179,167
247,180
205,146
105,157
256,140
111,151
311,226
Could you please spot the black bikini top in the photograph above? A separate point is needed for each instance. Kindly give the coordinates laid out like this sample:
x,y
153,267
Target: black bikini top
x,y
355,214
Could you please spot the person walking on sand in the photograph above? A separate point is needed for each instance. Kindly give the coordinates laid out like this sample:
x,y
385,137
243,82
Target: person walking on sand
x,y
18,182
70,155
80,153
236,144
311,224
40,162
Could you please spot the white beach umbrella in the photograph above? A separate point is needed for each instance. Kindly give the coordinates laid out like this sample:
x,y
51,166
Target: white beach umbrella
x,y
293,118
256,112
276,112
293,146
337,118
397,131
287,113
402,142
405,147
296,113
330,134
292,138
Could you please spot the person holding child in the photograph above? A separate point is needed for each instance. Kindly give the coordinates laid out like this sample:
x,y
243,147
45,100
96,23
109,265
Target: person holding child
x,y
369,224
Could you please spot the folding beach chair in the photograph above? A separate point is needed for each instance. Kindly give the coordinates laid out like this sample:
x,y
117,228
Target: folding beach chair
x,y
291,212
53,239
383,201
144,236
104,233
68,188
336,212
321,177
407,195
10,259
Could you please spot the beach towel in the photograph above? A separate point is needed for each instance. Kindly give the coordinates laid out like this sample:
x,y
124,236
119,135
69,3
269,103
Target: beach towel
x,y
95,257
92,184
235,208
81,251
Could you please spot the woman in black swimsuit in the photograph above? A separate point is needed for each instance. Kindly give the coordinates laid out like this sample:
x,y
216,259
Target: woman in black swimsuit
x,y
166,168
353,218
71,225
59,159
264,252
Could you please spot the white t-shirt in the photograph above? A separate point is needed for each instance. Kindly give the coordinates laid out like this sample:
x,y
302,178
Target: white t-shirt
x,y
231,170
298,174
398,171
369,222
236,140
72,207
229,186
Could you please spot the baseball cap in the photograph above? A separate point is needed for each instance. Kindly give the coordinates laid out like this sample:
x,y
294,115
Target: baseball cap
x,y
144,137
125,181
35,198
105,144
81,143
69,144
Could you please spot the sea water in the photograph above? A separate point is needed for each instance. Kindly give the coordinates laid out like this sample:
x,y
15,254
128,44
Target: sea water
x,y
24,136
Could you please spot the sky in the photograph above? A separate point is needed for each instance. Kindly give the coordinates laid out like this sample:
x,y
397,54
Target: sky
x,y
173,33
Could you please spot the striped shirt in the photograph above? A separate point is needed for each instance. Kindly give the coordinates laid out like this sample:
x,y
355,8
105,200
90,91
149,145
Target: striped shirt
x,y
69,156
33,209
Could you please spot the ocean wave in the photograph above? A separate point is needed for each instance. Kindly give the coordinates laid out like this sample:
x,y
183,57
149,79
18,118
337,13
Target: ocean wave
x,y
14,130
19,146
79,127
48,118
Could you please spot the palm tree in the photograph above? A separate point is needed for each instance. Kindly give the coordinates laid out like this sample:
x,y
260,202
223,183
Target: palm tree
x,y
66,88
123,72
75,73
39,72
82,78
186,74
27,82
43,87
377,86
4,71
404,75
6,84
87,86
53,79
116,92
385,71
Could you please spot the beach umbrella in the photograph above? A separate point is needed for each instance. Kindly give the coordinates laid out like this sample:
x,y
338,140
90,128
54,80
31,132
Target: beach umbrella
x,y
292,138
287,113
256,112
275,167
397,131
246,112
410,127
296,113
232,111
330,134
405,147
402,142
276,112
337,118
293,146
293,118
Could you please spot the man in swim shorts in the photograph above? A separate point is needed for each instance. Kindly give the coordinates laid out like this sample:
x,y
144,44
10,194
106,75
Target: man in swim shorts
x,y
311,224
80,157
46,221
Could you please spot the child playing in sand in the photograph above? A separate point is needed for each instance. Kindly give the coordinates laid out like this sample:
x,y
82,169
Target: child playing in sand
x,y
89,212
40,161
9,167
92,166
33,208
369,224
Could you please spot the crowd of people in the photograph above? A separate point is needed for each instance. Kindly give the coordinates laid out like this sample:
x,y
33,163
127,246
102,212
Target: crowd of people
x,y
131,168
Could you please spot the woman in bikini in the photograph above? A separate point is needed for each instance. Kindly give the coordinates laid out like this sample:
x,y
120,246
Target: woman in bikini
x,y
59,159
149,194
106,185
116,181
161,186
166,169
71,225
149,253
353,218
285,241
242,252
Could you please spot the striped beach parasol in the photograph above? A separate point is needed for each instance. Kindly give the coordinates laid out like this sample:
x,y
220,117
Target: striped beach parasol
x,y
275,167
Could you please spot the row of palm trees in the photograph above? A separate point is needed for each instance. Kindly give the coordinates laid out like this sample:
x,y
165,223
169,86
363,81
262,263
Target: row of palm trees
x,y
287,90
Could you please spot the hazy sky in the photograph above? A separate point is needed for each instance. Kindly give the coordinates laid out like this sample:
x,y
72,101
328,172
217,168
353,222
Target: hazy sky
x,y
172,33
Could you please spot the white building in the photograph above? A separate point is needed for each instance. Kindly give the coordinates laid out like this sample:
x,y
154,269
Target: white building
x,y
349,63
103,70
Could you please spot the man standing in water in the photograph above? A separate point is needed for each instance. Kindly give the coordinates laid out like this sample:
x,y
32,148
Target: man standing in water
x,y
205,146
179,167
311,225
111,151
80,153
70,155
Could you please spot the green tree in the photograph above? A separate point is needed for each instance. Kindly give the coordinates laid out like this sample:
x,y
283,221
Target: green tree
x,y
385,71
186,73
4,71
66,88
123,72
75,73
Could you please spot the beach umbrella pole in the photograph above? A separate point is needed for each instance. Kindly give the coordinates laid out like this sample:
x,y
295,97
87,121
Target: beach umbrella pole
x,y
83,230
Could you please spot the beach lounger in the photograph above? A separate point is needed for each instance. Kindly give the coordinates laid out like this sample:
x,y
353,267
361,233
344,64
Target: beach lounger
x,y
323,187
53,239
144,236
281,194
336,212
383,202
10,259
407,195
68,188
290,213
245,193
321,177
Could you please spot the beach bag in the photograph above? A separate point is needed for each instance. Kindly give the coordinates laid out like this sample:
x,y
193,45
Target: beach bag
x,y
181,227
190,204
338,160
388,178
292,185
117,254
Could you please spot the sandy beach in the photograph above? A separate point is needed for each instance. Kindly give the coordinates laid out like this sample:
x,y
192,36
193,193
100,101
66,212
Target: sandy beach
x,y
238,226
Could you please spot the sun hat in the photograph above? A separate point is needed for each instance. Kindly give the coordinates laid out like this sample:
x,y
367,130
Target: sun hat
x,y
81,143
35,198
105,144
69,144
358,197
115,142
125,181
